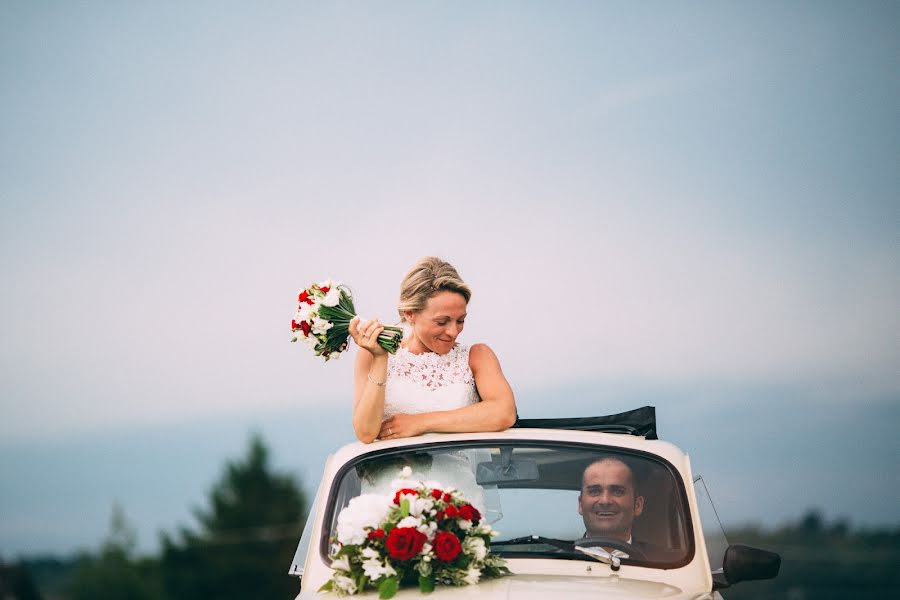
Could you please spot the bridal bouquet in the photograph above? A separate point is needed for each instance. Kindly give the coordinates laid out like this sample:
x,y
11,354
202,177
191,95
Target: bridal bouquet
x,y
323,320
424,533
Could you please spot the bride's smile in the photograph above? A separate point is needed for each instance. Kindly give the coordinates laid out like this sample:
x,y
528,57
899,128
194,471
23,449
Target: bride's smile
x,y
436,327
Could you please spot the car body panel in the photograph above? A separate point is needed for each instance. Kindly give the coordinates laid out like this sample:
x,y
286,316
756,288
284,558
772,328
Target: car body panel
x,y
532,577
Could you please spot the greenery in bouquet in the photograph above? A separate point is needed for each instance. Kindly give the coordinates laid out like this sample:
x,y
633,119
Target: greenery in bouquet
x,y
425,535
323,318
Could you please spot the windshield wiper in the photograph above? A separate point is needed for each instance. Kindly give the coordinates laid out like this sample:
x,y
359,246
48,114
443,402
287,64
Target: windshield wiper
x,y
565,545
613,559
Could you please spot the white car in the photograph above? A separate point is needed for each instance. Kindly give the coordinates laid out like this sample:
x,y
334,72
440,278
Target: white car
x,y
529,480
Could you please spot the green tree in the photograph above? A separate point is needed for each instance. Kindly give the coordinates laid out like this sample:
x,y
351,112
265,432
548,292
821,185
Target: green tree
x,y
16,583
823,561
114,573
246,537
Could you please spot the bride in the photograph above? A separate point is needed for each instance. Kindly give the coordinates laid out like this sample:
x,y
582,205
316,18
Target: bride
x,y
432,383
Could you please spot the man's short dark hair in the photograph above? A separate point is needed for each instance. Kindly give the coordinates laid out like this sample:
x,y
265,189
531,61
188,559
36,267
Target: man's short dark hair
x,y
618,458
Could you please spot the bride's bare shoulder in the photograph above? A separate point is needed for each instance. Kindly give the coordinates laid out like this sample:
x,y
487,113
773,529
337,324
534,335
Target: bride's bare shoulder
x,y
481,355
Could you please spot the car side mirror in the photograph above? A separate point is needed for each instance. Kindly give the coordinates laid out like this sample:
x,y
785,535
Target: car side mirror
x,y
745,563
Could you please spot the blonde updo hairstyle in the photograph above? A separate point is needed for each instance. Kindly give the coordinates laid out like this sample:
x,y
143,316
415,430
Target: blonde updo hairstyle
x,y
426,279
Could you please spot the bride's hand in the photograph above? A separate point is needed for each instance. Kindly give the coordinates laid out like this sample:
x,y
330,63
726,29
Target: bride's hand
x,y
401,426
365,334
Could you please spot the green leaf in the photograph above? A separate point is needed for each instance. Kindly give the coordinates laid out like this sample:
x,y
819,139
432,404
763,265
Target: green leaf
x,y
404,507
388,587
328,586
426,584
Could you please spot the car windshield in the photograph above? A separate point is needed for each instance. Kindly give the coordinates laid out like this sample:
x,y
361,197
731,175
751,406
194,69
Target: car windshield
x,y
544,499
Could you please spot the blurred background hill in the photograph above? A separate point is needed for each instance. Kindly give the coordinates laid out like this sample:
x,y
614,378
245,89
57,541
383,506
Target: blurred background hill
x,y
247,531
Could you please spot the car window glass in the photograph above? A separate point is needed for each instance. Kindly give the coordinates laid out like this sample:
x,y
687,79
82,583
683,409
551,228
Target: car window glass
x,y
532,489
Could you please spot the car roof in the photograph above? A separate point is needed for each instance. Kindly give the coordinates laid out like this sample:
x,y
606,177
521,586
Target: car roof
x,y
660,448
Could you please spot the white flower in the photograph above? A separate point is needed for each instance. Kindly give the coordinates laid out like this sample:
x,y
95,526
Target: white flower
x,y
332,297
345,583
370,553
464,524
367,510
476,547
472,576
320,325
406,472
334,355
418,506
374,568
428,529
340,564
396,484
410,522
305,312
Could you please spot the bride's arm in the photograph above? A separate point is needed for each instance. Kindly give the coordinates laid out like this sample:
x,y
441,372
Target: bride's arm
x,y
495,412
368,397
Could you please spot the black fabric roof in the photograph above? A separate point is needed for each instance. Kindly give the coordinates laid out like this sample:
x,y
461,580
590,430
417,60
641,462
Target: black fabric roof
x,y
640,421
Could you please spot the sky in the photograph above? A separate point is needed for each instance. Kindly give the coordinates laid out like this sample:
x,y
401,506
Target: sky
x,y
690,205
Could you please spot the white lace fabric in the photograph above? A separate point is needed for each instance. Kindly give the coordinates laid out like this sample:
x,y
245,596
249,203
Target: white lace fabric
x,y
428,382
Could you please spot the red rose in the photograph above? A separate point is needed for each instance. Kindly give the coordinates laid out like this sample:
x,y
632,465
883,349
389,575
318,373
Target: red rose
x,y
404,491
436,494
439,515
447,498
377,534
446,546
469,512
325,289
403,543
304,297
305,326
452,512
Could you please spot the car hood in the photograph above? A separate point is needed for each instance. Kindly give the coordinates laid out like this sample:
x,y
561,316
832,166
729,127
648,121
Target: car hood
x,y
540,587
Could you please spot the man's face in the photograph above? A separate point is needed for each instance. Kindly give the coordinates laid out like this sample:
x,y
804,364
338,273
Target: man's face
x,y
607,502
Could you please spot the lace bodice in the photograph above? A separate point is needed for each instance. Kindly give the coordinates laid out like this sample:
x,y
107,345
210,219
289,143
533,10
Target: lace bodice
x,y
427,382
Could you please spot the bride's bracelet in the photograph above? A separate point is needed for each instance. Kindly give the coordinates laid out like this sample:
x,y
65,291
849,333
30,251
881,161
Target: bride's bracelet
x,y
381,383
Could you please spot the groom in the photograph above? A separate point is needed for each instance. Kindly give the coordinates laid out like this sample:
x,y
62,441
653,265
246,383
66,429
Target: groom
x,y
609,502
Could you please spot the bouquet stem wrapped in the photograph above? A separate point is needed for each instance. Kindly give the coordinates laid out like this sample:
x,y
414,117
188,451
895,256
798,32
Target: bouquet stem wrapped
x,y
323,320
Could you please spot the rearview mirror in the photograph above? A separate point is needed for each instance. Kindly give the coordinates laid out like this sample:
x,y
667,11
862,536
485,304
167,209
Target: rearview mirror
x,y
504,469
745,563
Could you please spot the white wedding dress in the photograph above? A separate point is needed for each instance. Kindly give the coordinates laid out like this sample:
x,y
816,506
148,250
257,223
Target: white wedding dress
x,y
429,382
